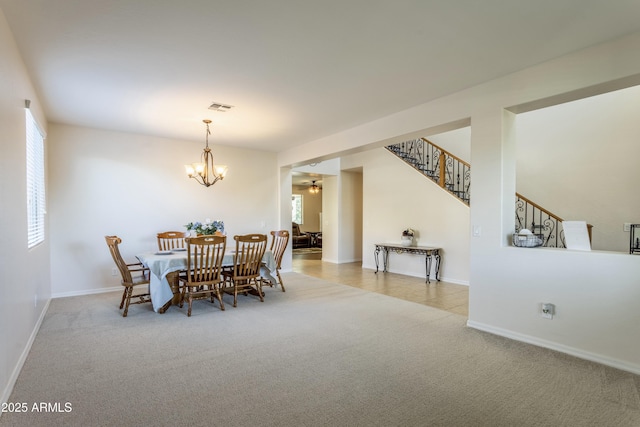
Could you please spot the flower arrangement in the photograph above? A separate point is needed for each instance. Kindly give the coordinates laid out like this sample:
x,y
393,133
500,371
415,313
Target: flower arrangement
x,y
408,232
207,228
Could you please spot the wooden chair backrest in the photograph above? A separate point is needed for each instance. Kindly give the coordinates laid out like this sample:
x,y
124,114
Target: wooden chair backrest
x,y
113,242
171,239
204,258
250,249
279,242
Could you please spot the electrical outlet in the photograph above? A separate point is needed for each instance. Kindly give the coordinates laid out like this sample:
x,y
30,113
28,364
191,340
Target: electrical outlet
x,y
626,226
114,271
547,310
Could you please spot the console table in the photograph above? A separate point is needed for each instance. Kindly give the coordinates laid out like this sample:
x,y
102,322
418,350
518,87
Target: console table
x,y
428,252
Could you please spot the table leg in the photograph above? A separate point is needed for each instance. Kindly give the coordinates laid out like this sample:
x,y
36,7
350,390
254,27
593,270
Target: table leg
x,y
172,278
165,307
386,258
427,260
436,255
376,252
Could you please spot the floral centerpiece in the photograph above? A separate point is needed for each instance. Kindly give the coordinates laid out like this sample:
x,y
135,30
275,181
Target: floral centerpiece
x,y
408,232
407,237
207,228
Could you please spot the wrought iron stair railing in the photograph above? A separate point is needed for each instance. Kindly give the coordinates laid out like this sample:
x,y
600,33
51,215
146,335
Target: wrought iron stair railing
x,y
454,175
448,171
533,217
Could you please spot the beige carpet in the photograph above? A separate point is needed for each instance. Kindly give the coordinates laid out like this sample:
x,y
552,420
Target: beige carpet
x,y
320,354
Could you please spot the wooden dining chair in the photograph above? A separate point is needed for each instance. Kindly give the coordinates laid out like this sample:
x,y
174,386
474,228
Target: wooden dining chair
x,y
279,241
202,278
133,275
168,240
245,277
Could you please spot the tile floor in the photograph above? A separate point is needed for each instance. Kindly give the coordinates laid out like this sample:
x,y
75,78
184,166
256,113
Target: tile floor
x,y
444,296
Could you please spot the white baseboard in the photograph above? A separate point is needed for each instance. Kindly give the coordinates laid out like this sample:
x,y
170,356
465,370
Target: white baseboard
x,y
421,275
593,357
86,292
23,357
454,281
349,261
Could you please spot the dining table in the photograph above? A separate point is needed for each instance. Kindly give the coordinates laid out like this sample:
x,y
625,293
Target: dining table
x,y
164,266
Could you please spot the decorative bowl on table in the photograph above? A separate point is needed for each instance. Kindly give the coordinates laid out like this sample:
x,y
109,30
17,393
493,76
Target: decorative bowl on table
x,y
526,239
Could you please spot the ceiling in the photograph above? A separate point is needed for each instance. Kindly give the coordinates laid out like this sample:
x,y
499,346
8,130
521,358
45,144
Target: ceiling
x,y
294,71
305,179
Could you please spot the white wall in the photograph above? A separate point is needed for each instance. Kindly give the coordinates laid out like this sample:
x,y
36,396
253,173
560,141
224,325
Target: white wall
x,y
311,207
331,218
350,216
134,186
397,197
24,273
388,196
457,142
595,292
284,201
581,161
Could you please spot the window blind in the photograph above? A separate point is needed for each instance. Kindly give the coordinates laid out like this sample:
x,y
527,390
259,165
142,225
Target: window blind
x,y
35,182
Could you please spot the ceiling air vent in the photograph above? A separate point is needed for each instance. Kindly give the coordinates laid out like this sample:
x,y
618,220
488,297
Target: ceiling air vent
x,y
216,106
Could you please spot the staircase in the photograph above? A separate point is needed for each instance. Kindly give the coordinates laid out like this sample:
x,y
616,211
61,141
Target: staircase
x,y
448,171
454,175
540,221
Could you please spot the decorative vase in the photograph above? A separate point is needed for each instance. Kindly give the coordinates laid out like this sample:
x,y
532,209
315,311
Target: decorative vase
x,y
406,240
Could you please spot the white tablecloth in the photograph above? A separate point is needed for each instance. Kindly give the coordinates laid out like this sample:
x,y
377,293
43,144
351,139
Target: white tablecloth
x,y
161,265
